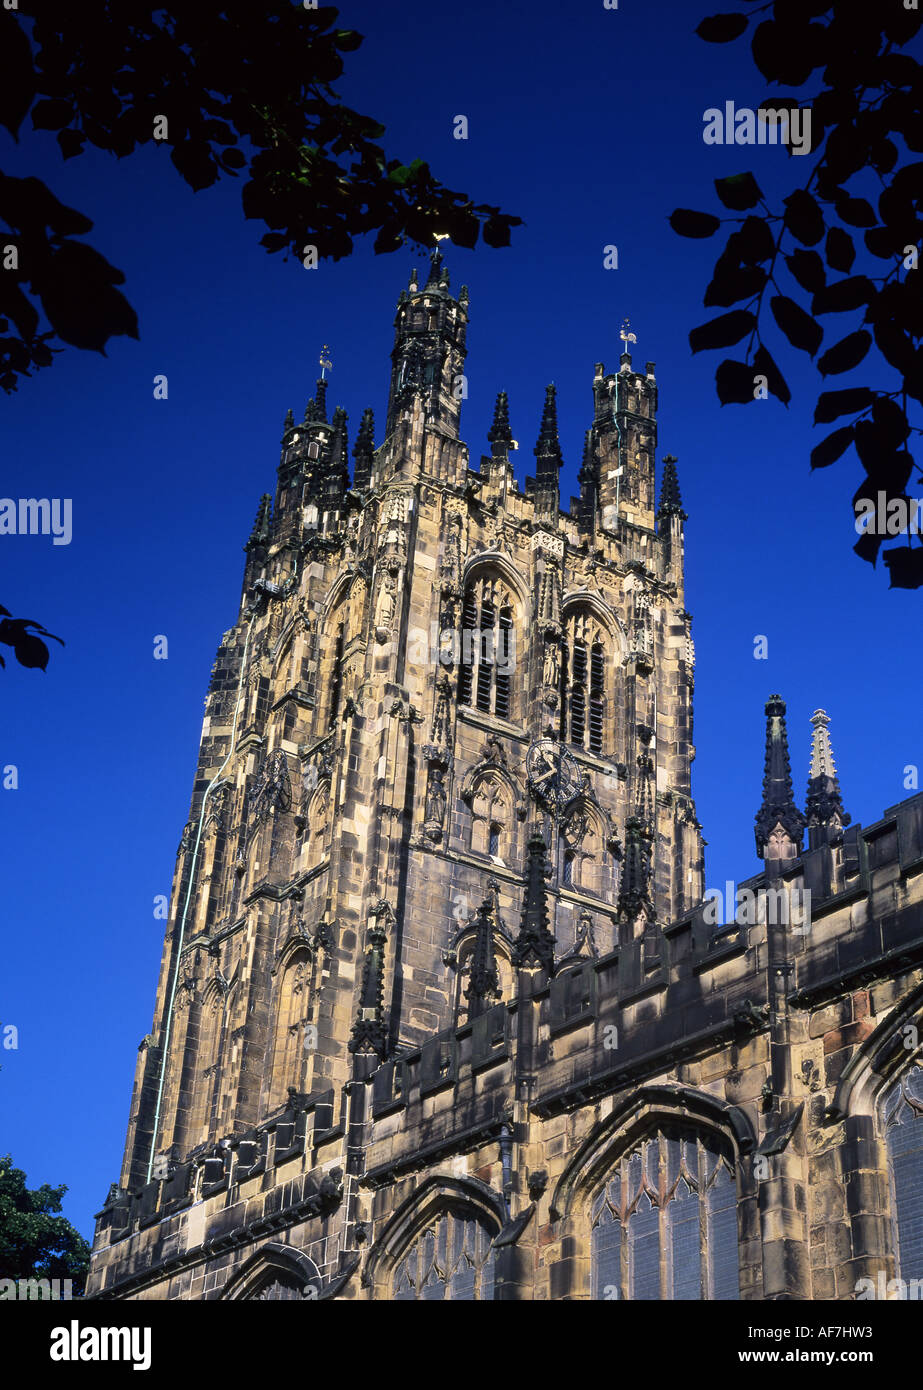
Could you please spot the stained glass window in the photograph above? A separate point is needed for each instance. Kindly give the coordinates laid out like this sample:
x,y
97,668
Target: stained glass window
x,y
901,1118
450,1260
664,1225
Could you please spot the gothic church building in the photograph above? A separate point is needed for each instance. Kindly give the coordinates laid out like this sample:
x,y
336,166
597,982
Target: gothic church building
x,y
442,1013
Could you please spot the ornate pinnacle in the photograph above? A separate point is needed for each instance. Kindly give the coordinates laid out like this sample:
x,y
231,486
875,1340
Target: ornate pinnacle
x,y
778,807
670,501
825,801
548,449
484,981
263,523
535,939
364,451
500,435
368,1032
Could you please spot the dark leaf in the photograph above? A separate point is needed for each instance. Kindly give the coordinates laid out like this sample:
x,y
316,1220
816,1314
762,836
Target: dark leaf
x,y
804,217
71,142
831,448
844,295
891,422
845,354
754,242
856,212
839,249
497,231
734,382
832,404
764,364
722,28
733,284
808,269
722,331
738,191
686,222
868,545
799,328
905,566
17,78
31,651
51,115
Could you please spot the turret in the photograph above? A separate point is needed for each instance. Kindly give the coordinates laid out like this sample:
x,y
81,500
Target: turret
x,y
625,436
428,357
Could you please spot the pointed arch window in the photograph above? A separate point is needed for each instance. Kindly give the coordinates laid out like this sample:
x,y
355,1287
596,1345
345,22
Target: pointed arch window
x,y
487,657
583,682
901,1120
292,1014
451,1260
664,1223
491,818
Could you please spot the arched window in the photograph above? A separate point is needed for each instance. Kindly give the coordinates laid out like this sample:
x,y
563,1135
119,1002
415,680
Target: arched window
x,y
583,682
488,647
211,1017
664,1223
490,818
901,1119
450,1260
292,1014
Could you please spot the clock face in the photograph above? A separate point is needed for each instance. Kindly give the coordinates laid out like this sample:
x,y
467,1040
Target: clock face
x,y
554,776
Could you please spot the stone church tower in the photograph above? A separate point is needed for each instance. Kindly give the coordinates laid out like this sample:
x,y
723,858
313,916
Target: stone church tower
x,y
436,922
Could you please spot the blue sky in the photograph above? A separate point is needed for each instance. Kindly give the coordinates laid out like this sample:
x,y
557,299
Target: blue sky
x,y
586,122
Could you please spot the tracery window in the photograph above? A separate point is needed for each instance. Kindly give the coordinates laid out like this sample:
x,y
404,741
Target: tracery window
x,y
583,682
490,818
901,1119
487,658
664,1224
450,1260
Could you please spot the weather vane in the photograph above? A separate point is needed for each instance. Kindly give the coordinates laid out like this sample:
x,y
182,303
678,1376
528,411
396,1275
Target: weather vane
x,y
624,334
325,363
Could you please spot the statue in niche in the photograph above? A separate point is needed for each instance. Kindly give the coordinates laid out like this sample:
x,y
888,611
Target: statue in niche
x,y
435,803
386,607
551,673
441,712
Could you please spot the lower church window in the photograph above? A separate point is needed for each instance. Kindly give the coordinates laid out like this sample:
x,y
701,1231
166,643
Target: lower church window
x,y
664,1225
901,1116
450,1260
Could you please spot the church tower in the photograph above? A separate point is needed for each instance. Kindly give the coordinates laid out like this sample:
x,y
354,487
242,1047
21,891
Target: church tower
x,y
445,769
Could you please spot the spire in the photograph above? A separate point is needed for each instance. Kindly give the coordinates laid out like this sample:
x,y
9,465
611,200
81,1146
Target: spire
x,y
535,939
671,503
587,478
364,451
548,449
263,523
320,401
368,1033
438,273
825,801
778,808
500,436
484,981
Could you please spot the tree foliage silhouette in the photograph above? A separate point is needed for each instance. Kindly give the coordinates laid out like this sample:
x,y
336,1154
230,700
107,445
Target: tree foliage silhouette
x,y
847,240
244,89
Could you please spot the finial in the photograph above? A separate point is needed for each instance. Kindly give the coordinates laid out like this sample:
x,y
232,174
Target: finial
x,y
364,451
325,362
535,940
825,801
548,449
289,421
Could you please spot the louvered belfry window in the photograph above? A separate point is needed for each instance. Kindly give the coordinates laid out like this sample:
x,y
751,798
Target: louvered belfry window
x,y
487,657
583,683
901,1119
664,1223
